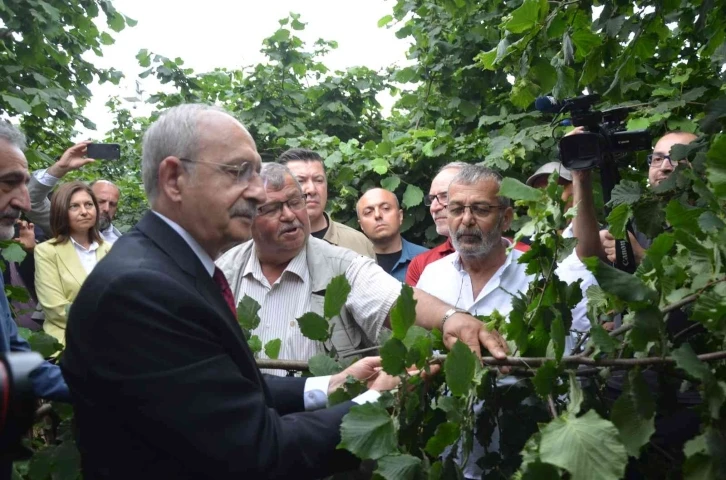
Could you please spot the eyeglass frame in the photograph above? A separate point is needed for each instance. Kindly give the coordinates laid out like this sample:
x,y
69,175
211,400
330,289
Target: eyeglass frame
x,y
428,200
665,157
280,205
490,208
225,167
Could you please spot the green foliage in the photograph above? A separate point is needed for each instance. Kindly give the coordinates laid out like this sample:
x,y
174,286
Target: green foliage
x,y
368,432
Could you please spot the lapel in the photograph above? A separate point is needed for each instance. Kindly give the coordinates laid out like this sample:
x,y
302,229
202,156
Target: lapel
x,y
171,243
69,258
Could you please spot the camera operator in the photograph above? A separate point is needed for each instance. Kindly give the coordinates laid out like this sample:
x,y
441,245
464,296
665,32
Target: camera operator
x,y
46,379
660,168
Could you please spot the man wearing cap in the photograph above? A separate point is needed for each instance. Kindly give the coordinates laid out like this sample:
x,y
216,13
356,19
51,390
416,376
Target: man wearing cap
x,y
541,176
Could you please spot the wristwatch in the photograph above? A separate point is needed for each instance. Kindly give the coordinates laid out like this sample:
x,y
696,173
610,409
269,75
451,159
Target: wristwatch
x,y
449,313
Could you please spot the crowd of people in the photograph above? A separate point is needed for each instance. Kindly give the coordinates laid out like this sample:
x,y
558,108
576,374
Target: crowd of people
x,y
153,351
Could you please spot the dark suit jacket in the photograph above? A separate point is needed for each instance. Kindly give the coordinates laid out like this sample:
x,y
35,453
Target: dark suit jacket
x,y
165,386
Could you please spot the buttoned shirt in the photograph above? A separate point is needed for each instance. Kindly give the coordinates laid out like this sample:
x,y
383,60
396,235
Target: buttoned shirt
x,y
408,252
419,263
447,280
87,256
372,295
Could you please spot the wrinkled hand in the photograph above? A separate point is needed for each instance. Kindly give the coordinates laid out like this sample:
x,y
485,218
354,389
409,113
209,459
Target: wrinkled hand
x,y
608,246
471,331
575,131
26,235
72,159
367,368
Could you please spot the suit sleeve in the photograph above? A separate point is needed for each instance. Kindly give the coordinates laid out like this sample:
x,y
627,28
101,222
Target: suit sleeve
x,y
49,288
47,379
39,212
169,352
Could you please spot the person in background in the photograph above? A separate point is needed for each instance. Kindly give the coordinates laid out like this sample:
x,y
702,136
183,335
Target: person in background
x,y
380,217
307,166
63,263
42,182
28,313
47,380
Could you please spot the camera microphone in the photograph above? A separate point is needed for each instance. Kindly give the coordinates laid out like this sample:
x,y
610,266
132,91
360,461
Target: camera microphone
x,y
548,104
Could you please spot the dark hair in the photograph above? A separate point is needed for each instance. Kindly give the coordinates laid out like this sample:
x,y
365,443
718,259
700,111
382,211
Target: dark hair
x,y
60,203
299,154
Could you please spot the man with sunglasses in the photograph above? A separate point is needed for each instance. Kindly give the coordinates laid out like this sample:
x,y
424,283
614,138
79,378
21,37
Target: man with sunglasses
x,y
660,167
287,271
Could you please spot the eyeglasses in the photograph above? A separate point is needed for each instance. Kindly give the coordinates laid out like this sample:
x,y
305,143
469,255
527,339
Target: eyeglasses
x,y
656,160
240,173
273,209
442,198
478,210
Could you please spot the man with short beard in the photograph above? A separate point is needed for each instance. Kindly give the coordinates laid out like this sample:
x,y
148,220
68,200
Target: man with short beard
x,y
484,274
380,217
47,380
287,271
44,180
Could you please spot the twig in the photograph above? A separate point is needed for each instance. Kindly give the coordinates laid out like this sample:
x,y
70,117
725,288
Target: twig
x,y
43,411
686,331
551,406
361,351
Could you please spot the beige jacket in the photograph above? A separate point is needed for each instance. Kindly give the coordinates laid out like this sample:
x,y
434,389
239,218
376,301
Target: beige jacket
x,y
350,238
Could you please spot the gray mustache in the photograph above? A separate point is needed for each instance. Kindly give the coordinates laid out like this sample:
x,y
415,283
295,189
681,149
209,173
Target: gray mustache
x,y
246,209
289,227
475,233
12,214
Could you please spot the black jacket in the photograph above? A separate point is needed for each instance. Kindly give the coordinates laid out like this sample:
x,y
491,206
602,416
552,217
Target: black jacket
x,y
165,386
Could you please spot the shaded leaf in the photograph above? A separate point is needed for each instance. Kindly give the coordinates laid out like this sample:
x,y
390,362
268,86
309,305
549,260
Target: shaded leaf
x,y
13,252
272,348
618,220
412,196
321,365
403,313
247,313
313,326
588,447
524,17
459,367
44,344
446,434
368,432
336,294
516,190
624,285
687,360
545,377
393,357
398,467
626,191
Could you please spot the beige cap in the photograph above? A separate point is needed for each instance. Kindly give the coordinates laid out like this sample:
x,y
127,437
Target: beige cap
x,y
548,168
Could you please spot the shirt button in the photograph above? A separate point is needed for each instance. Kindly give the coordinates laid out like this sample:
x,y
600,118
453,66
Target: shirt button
x,y
292,324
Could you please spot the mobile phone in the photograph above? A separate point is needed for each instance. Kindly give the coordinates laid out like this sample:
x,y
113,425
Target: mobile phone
x,y
103,151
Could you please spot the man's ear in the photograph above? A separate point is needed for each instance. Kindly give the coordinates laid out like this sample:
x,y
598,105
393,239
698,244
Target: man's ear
x,y
400,217
507,220
172,178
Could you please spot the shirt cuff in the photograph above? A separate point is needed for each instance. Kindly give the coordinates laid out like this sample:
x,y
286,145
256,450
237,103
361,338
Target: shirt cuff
x,y
45,178
315,395
370,396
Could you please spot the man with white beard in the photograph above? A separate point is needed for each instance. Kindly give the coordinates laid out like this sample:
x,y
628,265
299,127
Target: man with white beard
x,y
483,274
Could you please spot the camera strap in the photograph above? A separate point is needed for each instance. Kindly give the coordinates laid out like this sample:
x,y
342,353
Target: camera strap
x,y
624,256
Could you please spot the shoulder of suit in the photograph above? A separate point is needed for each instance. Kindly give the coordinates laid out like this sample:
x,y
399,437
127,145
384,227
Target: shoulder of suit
x,y
44,248
230,260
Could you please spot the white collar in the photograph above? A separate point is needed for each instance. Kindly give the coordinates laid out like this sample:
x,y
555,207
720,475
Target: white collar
x,y
91,248
203,256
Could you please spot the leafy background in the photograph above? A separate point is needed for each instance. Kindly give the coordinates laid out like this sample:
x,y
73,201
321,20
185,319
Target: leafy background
x,y
468,97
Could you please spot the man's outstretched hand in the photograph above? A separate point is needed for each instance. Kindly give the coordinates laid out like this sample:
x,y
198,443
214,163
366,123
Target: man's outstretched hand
x,y
72,159
473,332
366,369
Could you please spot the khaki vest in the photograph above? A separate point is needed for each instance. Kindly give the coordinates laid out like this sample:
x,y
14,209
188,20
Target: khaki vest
x,y
325,261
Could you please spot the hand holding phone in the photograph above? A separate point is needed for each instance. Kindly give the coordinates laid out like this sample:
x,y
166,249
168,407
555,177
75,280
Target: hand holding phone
x,y
103,151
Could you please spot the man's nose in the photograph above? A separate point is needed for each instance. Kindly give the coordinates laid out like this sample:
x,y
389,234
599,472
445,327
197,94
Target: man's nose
x,y
308,187
468,218
21,200
255,191
377,213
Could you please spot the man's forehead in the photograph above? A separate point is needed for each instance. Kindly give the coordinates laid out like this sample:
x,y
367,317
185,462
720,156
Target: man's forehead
x,y
666,142
483,189
443,179
301,168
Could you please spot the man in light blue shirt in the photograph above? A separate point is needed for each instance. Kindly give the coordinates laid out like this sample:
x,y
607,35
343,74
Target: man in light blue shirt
x,y
380,217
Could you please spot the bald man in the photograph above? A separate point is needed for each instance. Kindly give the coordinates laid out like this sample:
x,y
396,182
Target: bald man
x,y
380,217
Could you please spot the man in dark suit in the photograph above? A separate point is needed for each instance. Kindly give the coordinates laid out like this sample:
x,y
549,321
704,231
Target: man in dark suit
x,y
163,381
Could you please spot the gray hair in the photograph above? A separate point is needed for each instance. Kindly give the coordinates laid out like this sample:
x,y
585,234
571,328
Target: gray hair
x,y
473,174
449,165
273,176
12,135
173,134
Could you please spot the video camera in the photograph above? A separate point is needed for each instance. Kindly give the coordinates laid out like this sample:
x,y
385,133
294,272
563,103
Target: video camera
x,y
17,402
601,145
605,136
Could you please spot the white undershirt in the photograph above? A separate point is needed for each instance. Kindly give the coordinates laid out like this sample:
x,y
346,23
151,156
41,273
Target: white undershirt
x,y
87,256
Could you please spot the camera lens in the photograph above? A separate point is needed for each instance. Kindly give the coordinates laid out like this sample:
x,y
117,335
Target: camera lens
x,y
17,401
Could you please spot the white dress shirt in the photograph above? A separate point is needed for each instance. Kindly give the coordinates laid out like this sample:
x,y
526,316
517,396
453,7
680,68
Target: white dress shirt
x,y
315,395
87,256
109,234
447,280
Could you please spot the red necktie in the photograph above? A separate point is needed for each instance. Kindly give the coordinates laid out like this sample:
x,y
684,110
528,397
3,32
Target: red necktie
x,y
221,281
